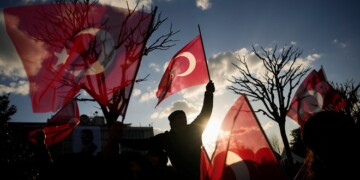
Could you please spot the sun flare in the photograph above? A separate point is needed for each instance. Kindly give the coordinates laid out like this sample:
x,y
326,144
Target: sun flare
x,y
210,134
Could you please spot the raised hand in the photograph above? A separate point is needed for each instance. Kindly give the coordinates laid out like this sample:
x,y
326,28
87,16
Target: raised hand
x,y
210,87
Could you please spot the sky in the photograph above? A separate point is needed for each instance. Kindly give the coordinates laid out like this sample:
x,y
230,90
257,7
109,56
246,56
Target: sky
x,y
327,31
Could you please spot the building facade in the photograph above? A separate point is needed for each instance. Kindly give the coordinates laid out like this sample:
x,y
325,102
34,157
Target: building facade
x,y
73,143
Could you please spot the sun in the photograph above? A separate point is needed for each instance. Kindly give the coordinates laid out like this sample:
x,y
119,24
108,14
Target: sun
x,y
210,134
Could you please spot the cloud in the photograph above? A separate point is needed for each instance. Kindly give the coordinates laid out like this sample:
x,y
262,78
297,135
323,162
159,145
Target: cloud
x,y
155,67
311,57
148,96
165,65
11,68
136,92
304,61
221,68
190,110
10,63
268,125
21,87
193,93
155,115
158,131
203,4
339,43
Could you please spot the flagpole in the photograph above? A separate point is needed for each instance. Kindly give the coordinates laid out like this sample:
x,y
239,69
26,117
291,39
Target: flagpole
x,y
231,131
204,52
262,130
323,71
140,58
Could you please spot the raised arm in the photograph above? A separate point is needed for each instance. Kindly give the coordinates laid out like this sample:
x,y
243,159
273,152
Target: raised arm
x,y
206,110
116,138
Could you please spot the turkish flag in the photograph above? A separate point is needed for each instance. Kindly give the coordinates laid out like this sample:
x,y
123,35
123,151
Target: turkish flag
x,y
66,47
313,95
60,125
242,149
187,68
205,165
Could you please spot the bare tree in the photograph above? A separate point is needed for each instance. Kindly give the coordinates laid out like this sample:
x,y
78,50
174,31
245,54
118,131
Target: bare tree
x,y
163,42
274,87
72,18
350,92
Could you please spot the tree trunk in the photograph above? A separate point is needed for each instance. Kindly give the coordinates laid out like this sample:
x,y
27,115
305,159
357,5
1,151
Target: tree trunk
x,y
110,116
289,162
286,143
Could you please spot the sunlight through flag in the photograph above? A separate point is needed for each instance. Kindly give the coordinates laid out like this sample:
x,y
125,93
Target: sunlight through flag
x,y
66,47
242,149
314,94
187,68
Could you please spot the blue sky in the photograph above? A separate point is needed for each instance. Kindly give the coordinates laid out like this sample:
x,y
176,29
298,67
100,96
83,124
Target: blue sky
x,y
328,32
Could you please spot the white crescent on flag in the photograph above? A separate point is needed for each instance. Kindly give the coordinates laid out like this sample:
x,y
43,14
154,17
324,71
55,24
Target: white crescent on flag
x,y
98,66
311,108
192,63
319,99
238,166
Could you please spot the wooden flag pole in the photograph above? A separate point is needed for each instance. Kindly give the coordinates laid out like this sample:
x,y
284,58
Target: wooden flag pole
x,y
138,65
204,52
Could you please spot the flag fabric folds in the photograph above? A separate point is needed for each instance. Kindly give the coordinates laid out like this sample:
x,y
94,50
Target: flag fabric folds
x,y
205,165
71,46
314,94
187,68
242,149
60,125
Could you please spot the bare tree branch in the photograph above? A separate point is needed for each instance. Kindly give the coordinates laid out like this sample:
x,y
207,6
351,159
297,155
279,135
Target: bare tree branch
x,y
72,17
163,42
281,73
350,91
142,79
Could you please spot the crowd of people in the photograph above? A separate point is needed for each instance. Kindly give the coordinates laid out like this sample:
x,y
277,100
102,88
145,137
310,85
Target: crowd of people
x,y
181,146
331,139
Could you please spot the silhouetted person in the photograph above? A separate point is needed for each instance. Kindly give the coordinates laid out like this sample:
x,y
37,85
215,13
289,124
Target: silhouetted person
x,y
133,166
158,165
79,165
43,158
332,142
87,141
182,143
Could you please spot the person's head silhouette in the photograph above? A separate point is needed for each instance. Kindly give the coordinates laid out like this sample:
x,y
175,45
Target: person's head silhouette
x,y
332,141
177,120
329,132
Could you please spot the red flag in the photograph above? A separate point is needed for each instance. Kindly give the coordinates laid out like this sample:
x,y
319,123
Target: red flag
x,y
68,47
242,149
60,125
314,94
205,165
187,68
